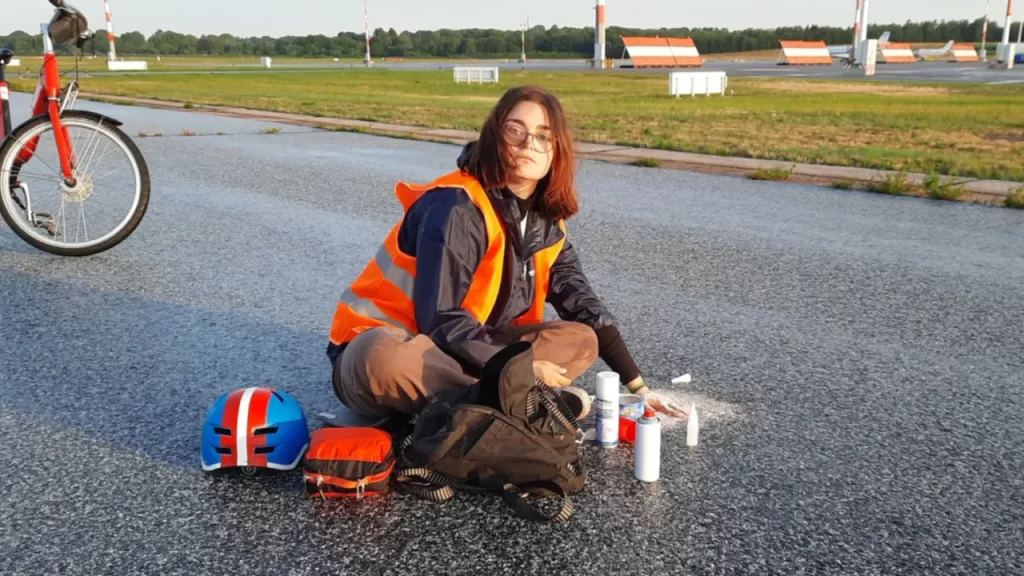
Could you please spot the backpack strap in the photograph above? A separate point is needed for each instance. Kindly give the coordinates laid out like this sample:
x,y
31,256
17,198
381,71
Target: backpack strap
x,y
426,484
439,488
515,497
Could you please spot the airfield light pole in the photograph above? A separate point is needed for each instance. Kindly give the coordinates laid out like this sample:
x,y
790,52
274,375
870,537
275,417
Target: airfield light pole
x,y
856,32
984,31
864,22
111,53
599,35
366,27
522,55
1009,22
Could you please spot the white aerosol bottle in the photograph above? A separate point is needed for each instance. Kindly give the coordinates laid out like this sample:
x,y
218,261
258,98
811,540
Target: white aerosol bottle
x,y
608,409
692,427
647,455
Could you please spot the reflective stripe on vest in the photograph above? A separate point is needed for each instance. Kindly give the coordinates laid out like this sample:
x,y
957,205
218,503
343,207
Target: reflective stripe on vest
x,y
383,293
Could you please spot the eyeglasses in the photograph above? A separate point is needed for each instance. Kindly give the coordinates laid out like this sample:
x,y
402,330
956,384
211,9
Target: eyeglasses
x,y
517,135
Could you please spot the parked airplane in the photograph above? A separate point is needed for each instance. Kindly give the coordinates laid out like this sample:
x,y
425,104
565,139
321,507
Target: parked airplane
x,y
845,51
923,53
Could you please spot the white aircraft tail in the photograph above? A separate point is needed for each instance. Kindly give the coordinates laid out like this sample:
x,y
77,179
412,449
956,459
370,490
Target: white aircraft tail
x,y
884,38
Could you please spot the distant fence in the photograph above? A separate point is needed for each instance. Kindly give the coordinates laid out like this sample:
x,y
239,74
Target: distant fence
x,y
479,75
693,83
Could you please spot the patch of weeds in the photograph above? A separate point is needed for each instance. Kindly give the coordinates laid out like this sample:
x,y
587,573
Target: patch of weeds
x,y
898,183
772,174
1015,199
222,133
646,163
143,135
189,106
843,185
275,130
158,134
939,190
187,132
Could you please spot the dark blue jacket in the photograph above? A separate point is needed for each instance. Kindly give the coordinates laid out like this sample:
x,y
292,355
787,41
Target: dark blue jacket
x,y
445,232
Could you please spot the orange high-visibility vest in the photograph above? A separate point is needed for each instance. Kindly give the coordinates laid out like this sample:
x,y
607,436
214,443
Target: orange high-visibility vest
x,y
382,295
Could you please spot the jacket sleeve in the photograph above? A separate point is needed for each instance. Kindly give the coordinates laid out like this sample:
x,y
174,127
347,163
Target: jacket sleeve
x,y
570,292
450,243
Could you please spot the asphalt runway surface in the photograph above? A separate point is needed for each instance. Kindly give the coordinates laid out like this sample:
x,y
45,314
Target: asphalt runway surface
x,y
856,359
919,72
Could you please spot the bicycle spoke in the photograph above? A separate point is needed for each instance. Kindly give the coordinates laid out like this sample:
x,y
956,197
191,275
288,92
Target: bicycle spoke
x,y
92,158
90,146
59,174
96,179
49,177
75,147
105,154
81,222
60,217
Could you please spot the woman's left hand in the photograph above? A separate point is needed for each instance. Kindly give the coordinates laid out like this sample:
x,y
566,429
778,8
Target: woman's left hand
x,y
659,403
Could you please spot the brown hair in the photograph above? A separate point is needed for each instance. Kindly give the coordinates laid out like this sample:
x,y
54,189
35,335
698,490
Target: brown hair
x,y
487,161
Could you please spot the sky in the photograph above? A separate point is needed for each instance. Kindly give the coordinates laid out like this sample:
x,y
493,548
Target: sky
x,y
301,17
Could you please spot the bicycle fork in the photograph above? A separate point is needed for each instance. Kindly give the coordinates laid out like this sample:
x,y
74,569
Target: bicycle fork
x,y
50,104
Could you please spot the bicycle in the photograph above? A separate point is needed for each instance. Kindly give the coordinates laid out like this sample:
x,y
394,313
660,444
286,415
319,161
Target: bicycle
x,y
66,168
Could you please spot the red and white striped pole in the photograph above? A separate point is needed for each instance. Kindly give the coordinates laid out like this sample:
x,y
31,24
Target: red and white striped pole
x,y
1005,46
856,31
112,53
984,30
599,45
366,25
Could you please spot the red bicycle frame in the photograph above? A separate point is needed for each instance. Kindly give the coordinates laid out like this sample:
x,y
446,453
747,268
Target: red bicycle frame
x,y
46,100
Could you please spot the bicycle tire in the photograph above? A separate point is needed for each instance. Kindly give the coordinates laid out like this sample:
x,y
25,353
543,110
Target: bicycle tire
x,y
130,224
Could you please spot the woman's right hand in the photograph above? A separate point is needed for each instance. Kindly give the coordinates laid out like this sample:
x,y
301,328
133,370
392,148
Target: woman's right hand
x,y
550,373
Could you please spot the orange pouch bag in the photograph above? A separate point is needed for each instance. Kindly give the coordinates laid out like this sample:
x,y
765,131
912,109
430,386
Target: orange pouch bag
x,y
348,462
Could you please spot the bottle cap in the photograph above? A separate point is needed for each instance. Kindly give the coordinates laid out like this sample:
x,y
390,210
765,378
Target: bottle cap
x,y
648,412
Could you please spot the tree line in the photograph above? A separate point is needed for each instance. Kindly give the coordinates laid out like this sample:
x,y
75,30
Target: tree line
x,y
541,42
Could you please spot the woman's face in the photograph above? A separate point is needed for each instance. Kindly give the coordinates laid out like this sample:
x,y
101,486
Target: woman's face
x,y
530,157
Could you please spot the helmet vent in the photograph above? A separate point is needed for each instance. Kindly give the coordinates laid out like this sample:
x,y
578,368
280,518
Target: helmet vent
x,y
222,431
223,450
267,430
263,449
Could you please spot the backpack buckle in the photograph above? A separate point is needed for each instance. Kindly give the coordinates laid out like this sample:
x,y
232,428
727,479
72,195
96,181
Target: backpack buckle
x,y
360,488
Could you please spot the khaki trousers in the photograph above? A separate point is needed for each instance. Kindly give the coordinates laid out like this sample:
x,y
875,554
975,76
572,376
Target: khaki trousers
x,y
387,370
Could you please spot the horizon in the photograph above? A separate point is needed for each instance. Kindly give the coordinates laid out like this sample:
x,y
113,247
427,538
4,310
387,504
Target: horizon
x,y
148,16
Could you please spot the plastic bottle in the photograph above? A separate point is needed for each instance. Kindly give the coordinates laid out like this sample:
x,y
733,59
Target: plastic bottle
x,y
647,454
692,427
608,409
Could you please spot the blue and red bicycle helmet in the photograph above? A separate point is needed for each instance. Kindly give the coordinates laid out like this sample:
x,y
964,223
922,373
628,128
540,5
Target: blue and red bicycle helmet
x,y
254,428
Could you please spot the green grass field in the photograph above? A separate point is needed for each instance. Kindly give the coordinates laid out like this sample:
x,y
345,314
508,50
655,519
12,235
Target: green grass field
x,y
964,130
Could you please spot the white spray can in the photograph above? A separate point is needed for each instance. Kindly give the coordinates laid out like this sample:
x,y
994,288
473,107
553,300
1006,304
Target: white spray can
x,y
608,409
647,453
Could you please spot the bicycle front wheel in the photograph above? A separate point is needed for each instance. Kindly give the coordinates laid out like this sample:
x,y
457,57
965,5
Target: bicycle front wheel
x,y
101,207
